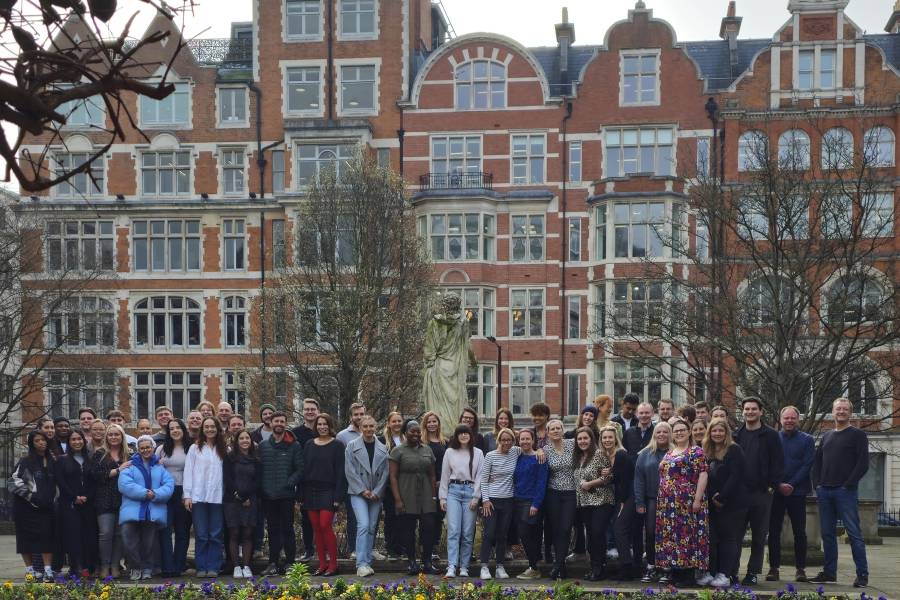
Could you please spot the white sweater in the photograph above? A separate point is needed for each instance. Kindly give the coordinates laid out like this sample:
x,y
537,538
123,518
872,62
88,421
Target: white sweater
x,y
456,466
203,475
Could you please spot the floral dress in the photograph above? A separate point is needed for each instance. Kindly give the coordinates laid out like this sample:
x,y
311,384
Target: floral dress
x,y
682,536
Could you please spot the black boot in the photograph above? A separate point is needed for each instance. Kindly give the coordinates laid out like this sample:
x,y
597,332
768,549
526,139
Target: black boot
x,y
428,568
559,573
413,568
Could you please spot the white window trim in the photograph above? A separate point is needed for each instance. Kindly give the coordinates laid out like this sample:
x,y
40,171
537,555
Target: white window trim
x,y
470,61
173,79
288,39
528,237
287,64
220,162
640,51
81,347
448,137
294,184
358,62
166,386
511,319
98,101
838,89
93,191
220,124
482,308
149,272
526,365
149,347
350,37
225,237
226,311
528,157
137,157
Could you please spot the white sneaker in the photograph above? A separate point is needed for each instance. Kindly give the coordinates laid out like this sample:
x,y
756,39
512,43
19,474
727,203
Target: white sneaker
x,y
376,555
529,573
463,572
353,555
500,572
704,579
720,581
361,572
248,574
485,573
451,572
238,573
135,575
612,553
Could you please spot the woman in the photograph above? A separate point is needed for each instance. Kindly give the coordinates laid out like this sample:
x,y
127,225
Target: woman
x,y
594,494
415,495
206,409
242,475
366,471
202,496
604,404
646,486
497,504
530,482
470,417
76,505
33,487
682,544
623,491
108,462
145,487
503,420
438,444
698,432
172,455
587,418
391,437
728,499
719,412
560,497
324,486
459,493
97,433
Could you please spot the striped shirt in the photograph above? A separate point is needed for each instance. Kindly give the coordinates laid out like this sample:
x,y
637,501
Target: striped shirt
x,y
498,474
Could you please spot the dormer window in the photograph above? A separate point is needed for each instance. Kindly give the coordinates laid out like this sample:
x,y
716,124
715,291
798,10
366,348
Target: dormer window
x,y
810,67
639,83
481,84
173,110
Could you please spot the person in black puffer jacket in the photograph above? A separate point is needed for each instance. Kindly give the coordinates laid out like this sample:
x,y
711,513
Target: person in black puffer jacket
x,y
242,475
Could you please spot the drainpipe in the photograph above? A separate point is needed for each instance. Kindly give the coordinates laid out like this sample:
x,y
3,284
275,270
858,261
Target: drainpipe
x,y
564,258
400,134
261,165
329,67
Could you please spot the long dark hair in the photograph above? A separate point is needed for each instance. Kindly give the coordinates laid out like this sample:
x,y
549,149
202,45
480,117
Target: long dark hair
x,y
33,460
235,452
579,456
168,445
475,416
84,449
219,442
457,445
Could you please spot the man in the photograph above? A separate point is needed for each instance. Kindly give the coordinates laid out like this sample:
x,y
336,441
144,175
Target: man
x,y
626,417
117,417
702,411
666,410
637,438
282,468
686,412
63,429
235,424
765,468
163,416
86,416
540,414
224,412
303,433
842,458
345,436
790,495
194,421
264,431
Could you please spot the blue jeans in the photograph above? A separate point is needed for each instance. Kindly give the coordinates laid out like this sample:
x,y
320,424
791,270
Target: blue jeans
x,y
460,524
179,522
834,503
366,514
208,544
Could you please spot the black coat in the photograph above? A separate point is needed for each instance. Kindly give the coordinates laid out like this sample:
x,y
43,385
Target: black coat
x,y
635,440
107,498
726,479
623,476
242,477
74,479
764,457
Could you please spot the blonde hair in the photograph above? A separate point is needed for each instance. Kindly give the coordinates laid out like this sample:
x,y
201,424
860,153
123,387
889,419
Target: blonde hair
x,y
710,449
388,434
652,446
616,446
505,431
440,431
126,449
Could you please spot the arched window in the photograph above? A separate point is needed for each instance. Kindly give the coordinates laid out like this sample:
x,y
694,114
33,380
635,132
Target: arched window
x,y
481,84
86,321
753,150
768,298
235,321
167,322
855,298
878,147
837,149
793,150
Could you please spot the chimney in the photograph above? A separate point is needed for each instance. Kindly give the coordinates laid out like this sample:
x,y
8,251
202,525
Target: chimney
x,y
565,37
729,30
893,25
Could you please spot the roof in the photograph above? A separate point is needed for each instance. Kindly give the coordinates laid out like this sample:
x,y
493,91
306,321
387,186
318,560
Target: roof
x,y
714,59
548,58
889,44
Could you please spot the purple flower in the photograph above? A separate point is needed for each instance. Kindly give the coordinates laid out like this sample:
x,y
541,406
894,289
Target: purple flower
x,y
820,590
779,593
791,588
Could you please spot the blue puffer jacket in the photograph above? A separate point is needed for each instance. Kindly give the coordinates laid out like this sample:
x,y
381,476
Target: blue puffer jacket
x,y
134,483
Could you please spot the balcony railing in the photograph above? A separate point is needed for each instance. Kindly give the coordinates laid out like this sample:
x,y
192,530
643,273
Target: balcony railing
x,y
457,181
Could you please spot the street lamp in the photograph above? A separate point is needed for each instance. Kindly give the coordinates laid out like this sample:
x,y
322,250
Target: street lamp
x,y
493,340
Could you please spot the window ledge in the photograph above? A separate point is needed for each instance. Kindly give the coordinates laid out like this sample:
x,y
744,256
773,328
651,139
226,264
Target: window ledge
x,y
292,39
233,124
639,104
176,126
357,37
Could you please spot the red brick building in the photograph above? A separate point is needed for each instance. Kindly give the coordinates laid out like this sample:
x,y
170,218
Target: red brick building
x,y
537,175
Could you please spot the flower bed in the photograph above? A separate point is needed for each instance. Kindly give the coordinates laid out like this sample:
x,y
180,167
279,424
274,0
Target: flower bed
x,y
296,586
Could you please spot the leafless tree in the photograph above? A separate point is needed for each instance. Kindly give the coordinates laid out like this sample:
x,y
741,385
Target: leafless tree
x,y
780,285
48,73
350,312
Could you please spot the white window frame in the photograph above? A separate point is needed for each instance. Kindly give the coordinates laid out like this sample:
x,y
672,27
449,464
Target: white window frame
x,y
575,162
185,312
836,216
303,37
837,148
749,152
78,232
878,214
87,181
463,161
233,384
526,387
175,167
647,377
527,235
343,149
704,155
489,81
628,309
794,150
806,70
575,250
654,229
233,174
93,108
879,146
279,172
865,288
183,92
822,70
186,241
640,54
73,391
484,235
235,319
223,92
286,67
481,387
480,303
573,325
76,313
527,159
165,393
616,146
357,35
339,65
530,311
234,244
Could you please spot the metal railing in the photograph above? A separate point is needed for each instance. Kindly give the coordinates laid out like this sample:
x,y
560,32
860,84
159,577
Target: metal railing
x,y
447,181
222,51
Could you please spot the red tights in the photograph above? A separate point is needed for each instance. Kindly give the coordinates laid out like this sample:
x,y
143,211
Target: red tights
x,y
326,542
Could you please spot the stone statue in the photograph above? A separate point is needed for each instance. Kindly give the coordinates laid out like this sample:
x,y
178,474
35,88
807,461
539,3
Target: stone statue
x,y
447,356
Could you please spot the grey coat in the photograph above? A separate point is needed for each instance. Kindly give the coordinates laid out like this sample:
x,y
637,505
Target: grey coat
x,y
360,476
646,476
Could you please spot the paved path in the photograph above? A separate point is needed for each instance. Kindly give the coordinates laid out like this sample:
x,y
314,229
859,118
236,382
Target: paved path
x,y
884,567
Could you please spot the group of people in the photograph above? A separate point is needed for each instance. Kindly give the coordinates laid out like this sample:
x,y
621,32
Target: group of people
x,y
678,489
